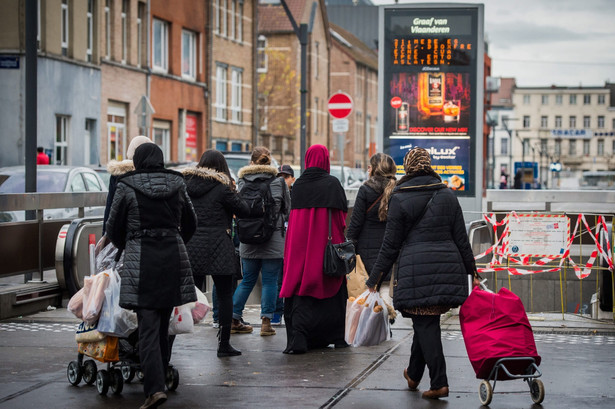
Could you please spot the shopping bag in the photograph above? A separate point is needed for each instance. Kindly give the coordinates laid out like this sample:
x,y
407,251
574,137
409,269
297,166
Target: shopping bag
x,y
106,350
88,333
181,320
200,308
94,295
355,280
115,320
373,324
105,259
354,307
75,304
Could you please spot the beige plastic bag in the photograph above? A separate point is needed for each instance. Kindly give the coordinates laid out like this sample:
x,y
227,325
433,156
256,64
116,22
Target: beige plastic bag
x,y
355,280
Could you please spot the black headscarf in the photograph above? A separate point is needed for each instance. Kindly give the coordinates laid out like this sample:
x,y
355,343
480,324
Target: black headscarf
x,y
148,156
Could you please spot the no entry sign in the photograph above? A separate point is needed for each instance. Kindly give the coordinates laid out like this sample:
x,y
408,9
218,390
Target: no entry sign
x,y
340,105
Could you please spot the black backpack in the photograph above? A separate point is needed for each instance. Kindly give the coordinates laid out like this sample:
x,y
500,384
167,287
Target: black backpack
x,y
260,225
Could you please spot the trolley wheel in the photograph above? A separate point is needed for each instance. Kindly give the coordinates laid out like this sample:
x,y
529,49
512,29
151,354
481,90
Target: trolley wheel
x,y
117,381
172,378
128,373
537,390
102,382
139,374
89,371
74,373
485,392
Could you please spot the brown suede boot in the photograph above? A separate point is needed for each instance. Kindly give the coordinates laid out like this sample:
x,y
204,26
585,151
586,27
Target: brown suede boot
x,y
436,393
266,328
238,327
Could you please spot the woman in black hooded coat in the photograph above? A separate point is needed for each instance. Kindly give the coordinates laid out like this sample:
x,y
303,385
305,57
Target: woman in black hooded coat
x,y
211,250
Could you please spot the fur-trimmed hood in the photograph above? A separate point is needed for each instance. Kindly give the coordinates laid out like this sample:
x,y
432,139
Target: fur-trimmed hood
x,y
257,170
118,168
200,181
377,183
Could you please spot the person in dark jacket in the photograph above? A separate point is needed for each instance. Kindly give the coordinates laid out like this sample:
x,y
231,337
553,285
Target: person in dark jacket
x,y
151,218
211,250
369,215
264,258
426,229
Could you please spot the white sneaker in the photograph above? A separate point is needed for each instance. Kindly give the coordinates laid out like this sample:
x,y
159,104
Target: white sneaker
x,y
216,324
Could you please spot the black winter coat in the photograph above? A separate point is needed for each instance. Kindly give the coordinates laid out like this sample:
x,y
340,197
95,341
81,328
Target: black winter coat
x,y
150,219
366,229
211,249
435,256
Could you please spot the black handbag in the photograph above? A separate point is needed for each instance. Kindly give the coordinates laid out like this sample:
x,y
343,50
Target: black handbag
x,y
340,259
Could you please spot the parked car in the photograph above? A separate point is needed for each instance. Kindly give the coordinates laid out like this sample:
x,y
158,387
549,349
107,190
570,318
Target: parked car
x,y
349,181
237,160
52,179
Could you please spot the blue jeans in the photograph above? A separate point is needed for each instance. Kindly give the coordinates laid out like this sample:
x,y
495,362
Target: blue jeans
x,y
251,268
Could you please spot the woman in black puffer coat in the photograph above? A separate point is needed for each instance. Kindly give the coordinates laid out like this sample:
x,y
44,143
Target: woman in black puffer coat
x,y
151,218
211,250
425,228
369,214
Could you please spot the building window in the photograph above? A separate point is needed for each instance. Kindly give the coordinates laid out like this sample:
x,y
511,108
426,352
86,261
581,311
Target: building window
x,y
236,94
38,24
140,48
573,99
558,100
600,121
90,142
233,12
316,61
64,27
221,145
188,54
601,100
107,30
61,142
90,30
586,147
600,150
558,121
162,136
526,99
613,125
124,31
526,121
116,131
239,24
261,54
573,122
587,99
236,146
504,146
557,148
544,100
220,103
586,121
526,146
572,147
217,16
160,46
315,116
223,18
544,121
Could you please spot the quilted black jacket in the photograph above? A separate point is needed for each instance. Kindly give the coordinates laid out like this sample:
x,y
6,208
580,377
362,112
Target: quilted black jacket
x,y
435,256
211,249
150,218
366,229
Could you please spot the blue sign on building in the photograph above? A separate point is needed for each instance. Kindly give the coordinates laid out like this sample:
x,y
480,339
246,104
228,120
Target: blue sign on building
x,y
10,62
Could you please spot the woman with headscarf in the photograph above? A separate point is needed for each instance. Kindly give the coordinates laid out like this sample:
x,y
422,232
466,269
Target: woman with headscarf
x,y
369,215
211,250
425,228
151,218
314,305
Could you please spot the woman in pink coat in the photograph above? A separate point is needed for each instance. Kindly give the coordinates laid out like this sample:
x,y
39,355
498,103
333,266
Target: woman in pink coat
x,y
314,305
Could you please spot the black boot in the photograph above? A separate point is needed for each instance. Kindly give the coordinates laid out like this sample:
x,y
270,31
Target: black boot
x,y
224,346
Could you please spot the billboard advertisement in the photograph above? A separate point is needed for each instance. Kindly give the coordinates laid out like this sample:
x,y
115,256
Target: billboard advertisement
x,y
430,95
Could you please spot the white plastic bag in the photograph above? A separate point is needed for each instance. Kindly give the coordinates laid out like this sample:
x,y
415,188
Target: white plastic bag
x,y
94,295
200,308
115,320
181,320
105,259
353,313
373,326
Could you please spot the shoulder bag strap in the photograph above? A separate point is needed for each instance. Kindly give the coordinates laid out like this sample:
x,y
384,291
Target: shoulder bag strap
x,y
330,235
425,209
374,204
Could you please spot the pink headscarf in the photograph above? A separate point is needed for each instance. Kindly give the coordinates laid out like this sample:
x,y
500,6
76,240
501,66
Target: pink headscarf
x,y
317,156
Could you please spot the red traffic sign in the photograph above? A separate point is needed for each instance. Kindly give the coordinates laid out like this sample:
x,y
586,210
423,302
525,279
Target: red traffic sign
x,y
396,102
340,105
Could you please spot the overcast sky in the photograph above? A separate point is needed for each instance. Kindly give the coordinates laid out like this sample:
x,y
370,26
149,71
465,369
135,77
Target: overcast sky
x,y
546,42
